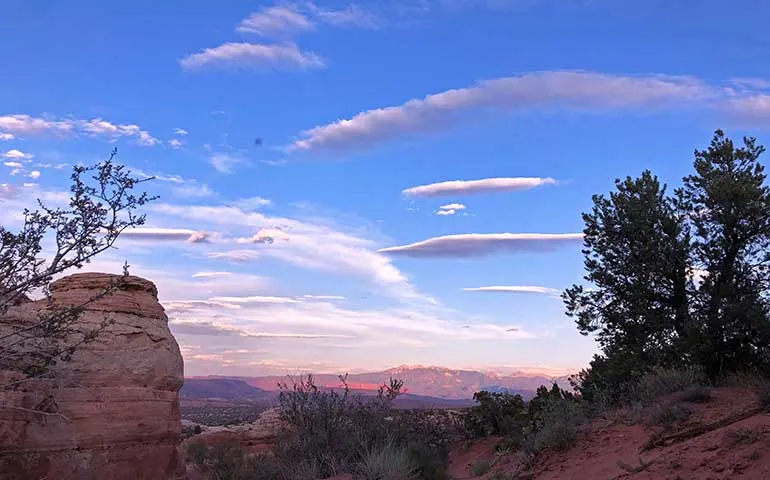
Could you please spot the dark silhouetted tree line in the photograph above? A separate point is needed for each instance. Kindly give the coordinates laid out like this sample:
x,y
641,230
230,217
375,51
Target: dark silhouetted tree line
x,y
678,279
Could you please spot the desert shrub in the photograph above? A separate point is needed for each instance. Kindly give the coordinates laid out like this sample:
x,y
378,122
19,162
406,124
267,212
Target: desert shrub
x,y
227,460
695,394
667,415
333,429
555,424
388,462
481,467
427,436
662,381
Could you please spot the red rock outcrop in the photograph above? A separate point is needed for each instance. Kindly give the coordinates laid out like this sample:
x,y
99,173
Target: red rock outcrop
x,y
112,411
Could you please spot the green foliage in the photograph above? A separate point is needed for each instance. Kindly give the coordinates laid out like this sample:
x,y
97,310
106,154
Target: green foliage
x,y
677,280
496,414
548,421
554,424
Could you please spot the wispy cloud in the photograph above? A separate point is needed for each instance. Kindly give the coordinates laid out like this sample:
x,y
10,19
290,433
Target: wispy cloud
x,y
515,289
192,191
475,244
275,20
286,20
350,16
22,124
5,137
13,164
311,245
175,143
584,91
172,234
237,56
180,131
251,203
450,209
464,187
225,162
213,328
17,155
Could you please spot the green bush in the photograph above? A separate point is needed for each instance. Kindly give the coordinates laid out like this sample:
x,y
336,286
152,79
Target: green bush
x,y
496,414
555,425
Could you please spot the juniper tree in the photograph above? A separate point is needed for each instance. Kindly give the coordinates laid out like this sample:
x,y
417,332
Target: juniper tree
x,y
636,252
729,203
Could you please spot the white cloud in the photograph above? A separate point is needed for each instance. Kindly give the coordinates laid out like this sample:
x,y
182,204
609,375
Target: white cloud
x,y
515,289
266,235
28,125
155,234
275,21
311,245
13,164
233,55
193,191
34,174
474,244
450,209
211,274
585,91
100,127
4,137
21,124
175,143
461,187
225,162
235,255
255,299
251,203
17,155
324,297
180,131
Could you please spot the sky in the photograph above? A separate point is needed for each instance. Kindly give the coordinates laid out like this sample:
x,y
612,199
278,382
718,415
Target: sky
x,y
353,186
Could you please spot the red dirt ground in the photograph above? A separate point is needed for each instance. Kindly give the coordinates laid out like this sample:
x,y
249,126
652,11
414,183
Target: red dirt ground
x,y
726,438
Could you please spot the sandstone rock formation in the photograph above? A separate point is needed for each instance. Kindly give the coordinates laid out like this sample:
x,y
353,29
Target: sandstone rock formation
x,y
258,437
112,411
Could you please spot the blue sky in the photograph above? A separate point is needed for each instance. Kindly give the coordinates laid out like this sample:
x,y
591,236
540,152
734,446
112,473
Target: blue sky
x,y
316,250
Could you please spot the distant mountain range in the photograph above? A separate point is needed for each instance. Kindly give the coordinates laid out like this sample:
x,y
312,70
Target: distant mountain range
x,y
423,386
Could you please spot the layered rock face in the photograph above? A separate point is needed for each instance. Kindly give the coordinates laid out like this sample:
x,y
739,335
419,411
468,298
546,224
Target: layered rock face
x,y
112,411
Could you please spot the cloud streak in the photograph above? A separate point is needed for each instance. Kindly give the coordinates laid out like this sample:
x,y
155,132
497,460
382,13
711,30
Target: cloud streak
x,y
478,244
485,185
166,234
241,56
582,91
515,289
